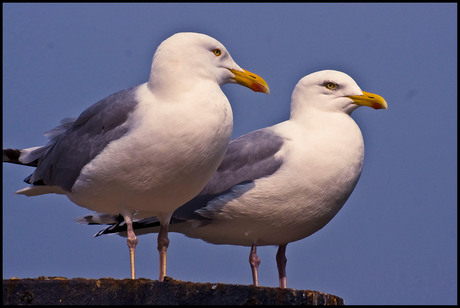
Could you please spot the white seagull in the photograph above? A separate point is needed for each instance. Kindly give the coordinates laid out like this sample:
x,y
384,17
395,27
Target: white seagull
x,y
149,149
282,183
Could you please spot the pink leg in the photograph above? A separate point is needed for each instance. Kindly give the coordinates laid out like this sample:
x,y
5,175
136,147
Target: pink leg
x,y
281,262
132,242
254,261
163,243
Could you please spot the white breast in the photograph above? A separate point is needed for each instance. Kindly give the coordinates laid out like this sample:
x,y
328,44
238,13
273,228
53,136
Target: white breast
x,y
152,169
322,164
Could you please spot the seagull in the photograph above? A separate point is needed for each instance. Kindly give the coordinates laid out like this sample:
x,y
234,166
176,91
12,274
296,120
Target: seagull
x,y
278,184
146,150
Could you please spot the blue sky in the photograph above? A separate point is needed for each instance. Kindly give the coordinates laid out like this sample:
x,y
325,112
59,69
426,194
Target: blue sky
x,y
394,241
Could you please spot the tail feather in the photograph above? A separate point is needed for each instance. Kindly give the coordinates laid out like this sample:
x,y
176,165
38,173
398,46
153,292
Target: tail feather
x,y
100,219
116,222
31,156
117,225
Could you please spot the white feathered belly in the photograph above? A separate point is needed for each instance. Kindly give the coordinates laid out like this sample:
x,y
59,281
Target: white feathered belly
x,y
279,219
291,204
154,171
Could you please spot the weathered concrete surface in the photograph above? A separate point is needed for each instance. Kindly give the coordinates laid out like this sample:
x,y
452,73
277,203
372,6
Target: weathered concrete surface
x,y
108,291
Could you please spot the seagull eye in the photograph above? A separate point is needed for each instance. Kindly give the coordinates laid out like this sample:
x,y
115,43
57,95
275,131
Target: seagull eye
x,y
217,52
330,85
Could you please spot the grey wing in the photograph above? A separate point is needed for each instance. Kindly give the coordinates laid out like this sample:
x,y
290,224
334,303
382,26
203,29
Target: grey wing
x,y
74,144
249,157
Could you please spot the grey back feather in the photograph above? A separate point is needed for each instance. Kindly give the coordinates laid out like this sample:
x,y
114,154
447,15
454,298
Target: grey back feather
x,y
75,143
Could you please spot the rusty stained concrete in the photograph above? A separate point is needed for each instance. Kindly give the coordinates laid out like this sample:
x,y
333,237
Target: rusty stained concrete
x,y
108,291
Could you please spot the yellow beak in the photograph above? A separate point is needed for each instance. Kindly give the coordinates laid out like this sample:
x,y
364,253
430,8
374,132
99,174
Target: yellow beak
x,y
369,99
251,81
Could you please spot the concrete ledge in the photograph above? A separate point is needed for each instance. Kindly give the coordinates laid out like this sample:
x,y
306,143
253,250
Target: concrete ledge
x,y
108,291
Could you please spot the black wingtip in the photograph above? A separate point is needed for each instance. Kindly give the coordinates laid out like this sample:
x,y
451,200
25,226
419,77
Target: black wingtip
x,y
11,156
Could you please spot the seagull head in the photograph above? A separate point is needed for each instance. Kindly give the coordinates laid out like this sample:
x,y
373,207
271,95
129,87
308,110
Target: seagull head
x,y
330,90
186,56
